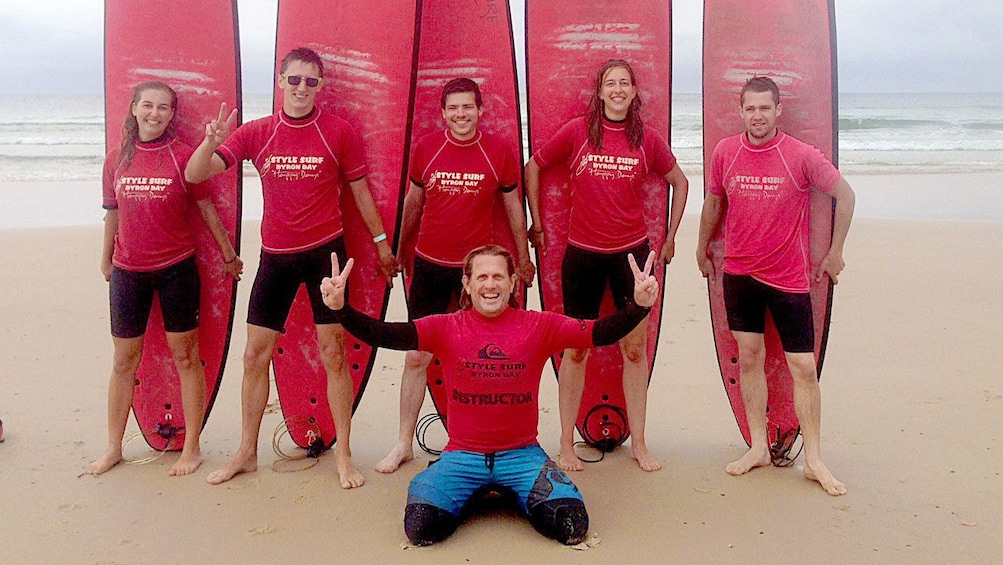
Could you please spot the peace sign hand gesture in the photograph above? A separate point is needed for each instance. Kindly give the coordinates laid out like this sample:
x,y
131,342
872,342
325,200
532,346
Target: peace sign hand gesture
x,y
332,288
216,131
645,285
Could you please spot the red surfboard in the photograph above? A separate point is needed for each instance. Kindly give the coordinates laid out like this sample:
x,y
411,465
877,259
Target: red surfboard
x,y
477,46
795,44
368,64
565,44
138,49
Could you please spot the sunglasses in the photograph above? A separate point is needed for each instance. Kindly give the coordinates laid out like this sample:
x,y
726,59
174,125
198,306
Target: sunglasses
x,y
294,80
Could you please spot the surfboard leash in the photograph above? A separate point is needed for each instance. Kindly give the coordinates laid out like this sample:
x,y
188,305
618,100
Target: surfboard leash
x,y
613,433
781,448
314,450
422,428
166,431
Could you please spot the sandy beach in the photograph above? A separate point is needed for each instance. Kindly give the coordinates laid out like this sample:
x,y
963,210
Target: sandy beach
x,y
912,423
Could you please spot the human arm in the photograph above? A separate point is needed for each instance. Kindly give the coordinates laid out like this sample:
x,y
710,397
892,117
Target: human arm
x,y
414,205
532,183
232,264
680,189
204,162
516,212
371,217
402,336
710,218
611,329
833,262
108,245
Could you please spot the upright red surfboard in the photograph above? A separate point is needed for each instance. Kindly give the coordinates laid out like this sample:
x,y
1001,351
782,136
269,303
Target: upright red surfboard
x,y
468,39
566,43
203,66
368,65
794,44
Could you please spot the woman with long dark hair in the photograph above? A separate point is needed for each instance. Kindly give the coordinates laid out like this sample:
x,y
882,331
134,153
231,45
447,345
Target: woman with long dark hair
x,y
149,248
610,153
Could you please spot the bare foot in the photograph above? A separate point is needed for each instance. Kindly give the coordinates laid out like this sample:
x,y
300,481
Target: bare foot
x,y
644,458
752,459
104,463
349,476
568,460
397,456
819,472
239,463
186,464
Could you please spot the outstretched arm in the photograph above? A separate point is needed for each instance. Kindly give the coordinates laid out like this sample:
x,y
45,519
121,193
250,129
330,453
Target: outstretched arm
x,y
205,163
833,262
402,336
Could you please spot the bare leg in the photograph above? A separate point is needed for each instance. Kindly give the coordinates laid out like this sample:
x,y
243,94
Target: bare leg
x,y
185,350
752,362
808,405
128,352
253,398
413,382
340,393
635,392
570,384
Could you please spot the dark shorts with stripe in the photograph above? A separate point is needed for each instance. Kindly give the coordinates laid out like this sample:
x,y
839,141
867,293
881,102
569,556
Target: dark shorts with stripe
x,y
585,274
747,299
131,298
279,278
434,288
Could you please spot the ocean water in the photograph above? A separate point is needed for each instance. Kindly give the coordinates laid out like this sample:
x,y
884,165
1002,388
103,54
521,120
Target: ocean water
x,y
61,138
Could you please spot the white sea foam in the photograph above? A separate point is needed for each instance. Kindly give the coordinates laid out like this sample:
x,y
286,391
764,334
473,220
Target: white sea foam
x,y
61,138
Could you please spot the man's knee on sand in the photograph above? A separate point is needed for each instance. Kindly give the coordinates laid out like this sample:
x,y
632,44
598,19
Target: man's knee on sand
x,y
561,519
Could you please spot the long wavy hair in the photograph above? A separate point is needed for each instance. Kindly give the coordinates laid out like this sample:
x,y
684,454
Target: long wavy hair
x,y
468,270
594,116
130,128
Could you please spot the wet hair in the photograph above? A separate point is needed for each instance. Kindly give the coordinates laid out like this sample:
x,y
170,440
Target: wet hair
x,y
458,85
594,116
760,84
303,55
468,270
130,128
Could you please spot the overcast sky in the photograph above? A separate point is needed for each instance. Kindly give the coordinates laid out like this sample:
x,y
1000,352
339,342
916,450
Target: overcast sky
x,y
884,45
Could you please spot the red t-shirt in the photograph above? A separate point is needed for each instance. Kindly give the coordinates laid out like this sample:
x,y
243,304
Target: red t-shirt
x,y
607,207
767,189
492,369
461,181
303,165
154,203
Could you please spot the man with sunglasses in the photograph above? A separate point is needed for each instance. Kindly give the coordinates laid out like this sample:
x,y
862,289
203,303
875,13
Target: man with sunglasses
x,y
304,156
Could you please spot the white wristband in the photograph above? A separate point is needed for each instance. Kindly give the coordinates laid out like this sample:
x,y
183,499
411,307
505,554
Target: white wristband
x,y
381,237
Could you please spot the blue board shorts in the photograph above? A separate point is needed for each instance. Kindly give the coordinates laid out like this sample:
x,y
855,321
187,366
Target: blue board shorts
x,y
452,480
